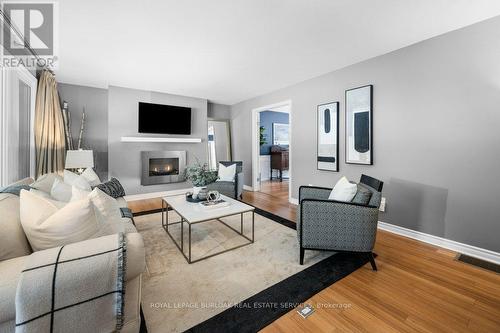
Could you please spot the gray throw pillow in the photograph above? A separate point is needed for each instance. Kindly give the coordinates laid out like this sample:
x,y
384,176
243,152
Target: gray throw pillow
x,y
113,188
15,189
363,196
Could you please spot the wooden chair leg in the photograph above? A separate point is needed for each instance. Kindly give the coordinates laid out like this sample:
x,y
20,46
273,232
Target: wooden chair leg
x,y
302,251
372,261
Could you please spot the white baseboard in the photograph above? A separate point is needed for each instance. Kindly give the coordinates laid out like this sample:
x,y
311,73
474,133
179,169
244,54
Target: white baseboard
x,y
469,250
294,201
248,188
152,195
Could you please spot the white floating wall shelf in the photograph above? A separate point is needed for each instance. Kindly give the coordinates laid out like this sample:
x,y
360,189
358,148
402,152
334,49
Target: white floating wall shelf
x,y
157,139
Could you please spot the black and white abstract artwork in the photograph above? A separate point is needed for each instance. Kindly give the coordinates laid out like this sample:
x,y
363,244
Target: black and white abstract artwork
x,y
358,131
328,136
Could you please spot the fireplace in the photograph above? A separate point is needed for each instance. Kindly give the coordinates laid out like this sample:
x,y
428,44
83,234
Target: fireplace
x,y
162,167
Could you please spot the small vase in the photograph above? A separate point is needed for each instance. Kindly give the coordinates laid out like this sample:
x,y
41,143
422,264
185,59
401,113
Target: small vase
x,y
202,195
196,191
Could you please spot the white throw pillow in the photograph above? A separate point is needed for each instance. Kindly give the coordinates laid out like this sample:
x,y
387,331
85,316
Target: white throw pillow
x,y
70,177
92,177
78,194
48,197
41,193
46,226
44,183
343,191
79,181
61,191
106,207
226,173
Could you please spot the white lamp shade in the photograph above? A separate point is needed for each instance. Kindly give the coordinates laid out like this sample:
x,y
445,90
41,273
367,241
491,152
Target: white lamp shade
x,y
79,159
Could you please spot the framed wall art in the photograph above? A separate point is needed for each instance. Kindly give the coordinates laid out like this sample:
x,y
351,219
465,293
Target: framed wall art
x,y
359,125
328,136
280,134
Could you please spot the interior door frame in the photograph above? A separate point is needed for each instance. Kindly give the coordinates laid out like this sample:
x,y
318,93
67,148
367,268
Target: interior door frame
x,y
30,80
256,145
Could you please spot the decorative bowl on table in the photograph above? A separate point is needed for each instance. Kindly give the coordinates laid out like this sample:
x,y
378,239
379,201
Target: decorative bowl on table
x,y
189,197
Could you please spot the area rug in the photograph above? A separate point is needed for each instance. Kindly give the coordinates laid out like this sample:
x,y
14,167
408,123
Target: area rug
x,y
239,291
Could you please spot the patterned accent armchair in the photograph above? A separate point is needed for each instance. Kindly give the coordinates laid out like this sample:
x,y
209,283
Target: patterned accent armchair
x,y
231,189
324,224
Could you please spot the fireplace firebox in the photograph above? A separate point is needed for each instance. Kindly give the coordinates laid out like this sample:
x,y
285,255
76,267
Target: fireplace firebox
x,y
162,167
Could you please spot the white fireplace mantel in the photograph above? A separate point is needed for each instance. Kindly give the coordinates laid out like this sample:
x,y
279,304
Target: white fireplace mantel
x,y
159,139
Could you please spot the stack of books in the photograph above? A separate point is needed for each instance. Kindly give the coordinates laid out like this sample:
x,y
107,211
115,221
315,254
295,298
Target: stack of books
x,y
214,204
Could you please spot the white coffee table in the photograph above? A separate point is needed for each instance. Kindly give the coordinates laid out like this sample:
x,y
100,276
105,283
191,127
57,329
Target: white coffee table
x,y
193,213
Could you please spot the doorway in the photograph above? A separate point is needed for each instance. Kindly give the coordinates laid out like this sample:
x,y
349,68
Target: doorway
x,y
271,151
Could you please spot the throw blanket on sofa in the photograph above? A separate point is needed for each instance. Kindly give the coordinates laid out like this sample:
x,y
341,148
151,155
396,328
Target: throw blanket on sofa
x,y
73,288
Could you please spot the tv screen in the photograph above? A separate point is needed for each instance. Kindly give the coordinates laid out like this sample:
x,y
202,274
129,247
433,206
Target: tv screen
x,y
164,119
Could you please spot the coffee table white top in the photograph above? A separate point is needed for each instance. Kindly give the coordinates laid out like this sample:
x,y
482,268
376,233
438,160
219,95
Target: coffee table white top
x,y
194,212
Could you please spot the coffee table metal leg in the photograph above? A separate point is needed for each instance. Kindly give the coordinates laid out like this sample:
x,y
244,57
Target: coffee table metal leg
x,y
253,225
241,223
189,242
182,235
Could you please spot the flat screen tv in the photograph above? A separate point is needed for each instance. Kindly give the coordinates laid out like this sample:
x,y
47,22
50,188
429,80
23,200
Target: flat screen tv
x,y
164,119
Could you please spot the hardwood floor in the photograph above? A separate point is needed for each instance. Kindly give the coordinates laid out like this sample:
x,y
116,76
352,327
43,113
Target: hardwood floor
x,y
273,195
146,205
418,287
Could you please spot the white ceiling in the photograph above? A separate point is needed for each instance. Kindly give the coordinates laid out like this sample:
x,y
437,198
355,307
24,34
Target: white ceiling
x,y
231,50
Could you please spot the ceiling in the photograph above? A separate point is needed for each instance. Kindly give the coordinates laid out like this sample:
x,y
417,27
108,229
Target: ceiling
x,y
232,50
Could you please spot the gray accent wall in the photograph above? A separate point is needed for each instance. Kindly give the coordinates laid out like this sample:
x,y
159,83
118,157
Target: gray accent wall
x,y
125,157
95,136
219,111
436,132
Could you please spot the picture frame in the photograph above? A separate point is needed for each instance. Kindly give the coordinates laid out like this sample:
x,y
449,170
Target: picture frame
x,y
327,136
281,134
359,125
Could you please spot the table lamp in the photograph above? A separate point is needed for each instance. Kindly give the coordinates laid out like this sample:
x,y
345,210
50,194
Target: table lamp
x,y
79,159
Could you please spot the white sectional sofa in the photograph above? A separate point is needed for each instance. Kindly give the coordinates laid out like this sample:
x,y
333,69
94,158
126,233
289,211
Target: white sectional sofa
x,y
15,249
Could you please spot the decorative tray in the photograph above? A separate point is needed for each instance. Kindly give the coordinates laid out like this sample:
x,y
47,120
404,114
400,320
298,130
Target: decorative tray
x,y
189,198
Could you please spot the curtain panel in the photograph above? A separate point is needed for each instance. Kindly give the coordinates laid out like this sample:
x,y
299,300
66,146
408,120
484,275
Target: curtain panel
x,y
50,138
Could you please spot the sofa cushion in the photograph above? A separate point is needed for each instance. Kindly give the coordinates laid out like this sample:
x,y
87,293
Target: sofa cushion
x,y
10,271
78,193
44,183
24,181
92,177
363,195
74,179
61,191
13,242
106,207
46,226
